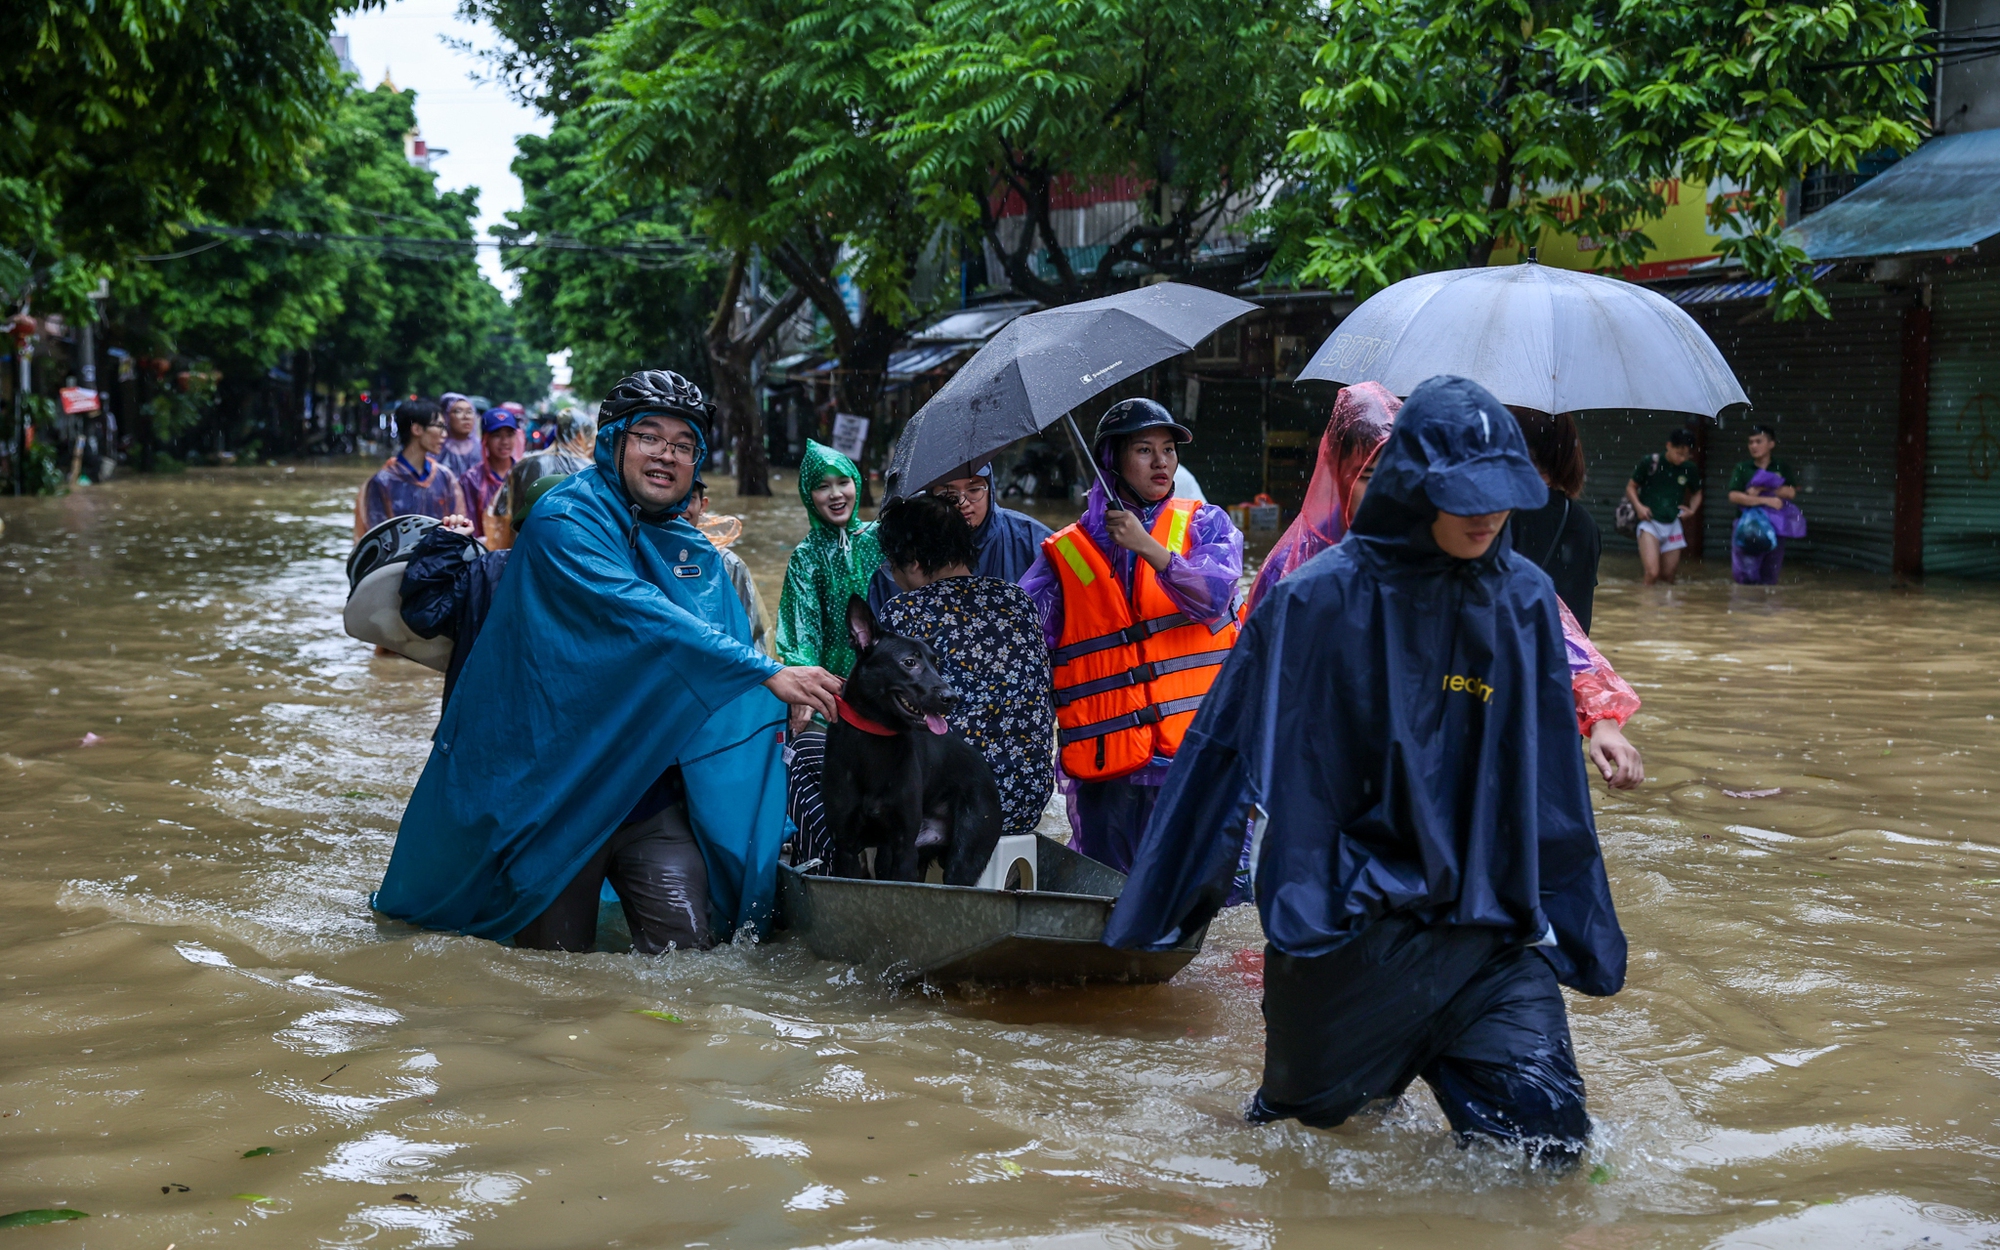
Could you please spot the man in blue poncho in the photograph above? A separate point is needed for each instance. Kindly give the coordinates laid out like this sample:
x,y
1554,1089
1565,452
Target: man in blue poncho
x,y
1399,712
617,647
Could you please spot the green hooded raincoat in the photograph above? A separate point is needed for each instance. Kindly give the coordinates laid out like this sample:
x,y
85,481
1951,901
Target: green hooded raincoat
x,y
825,569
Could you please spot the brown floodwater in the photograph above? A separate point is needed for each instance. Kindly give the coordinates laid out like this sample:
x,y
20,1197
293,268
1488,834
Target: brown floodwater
x,y
1805,1053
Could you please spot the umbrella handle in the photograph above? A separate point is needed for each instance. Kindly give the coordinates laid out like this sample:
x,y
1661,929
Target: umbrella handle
x,y
1097,470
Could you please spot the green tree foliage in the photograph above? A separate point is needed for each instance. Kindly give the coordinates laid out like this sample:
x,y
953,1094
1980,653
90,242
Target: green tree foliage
x,y
770,113
1187,101
642,306
543,56
1441,127
124,117
393,318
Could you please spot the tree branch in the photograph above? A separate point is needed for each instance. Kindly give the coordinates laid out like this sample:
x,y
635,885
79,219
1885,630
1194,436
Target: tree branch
x,y
819,287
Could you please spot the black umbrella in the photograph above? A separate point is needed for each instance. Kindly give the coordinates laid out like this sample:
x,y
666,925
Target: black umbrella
x,y
1046,363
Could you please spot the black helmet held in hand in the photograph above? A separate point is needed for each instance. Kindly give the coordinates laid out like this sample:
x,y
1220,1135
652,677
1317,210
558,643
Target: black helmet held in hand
x,y
655,391
394,541
1130,416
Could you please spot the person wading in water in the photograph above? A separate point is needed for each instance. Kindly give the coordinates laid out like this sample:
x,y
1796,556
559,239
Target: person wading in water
x,y
616,640
1427,868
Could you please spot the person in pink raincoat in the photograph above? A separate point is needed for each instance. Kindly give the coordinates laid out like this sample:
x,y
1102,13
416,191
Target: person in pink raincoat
x,y
1363,415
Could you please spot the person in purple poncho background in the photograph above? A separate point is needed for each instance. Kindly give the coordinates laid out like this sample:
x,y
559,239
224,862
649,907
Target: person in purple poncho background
x,y
1360,424
462,450
1137,447
412,482
1764,481
500,433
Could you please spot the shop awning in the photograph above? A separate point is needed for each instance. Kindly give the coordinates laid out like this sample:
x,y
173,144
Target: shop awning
x,y
1723,292
785,368
972,325
911,362
905,365
1943,197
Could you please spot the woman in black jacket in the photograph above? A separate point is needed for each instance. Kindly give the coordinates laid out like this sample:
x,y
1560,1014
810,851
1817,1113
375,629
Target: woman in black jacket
x,y
1560,536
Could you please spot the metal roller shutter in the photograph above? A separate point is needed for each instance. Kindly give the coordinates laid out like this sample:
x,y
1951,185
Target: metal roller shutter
x,y
1227,455
1829,390
1962,472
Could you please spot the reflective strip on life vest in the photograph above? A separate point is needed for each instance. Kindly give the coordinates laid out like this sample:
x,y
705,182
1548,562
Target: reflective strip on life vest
x,y
1067,547
1151,714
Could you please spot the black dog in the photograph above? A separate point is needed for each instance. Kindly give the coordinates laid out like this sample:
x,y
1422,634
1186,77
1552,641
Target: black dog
x,y
897,778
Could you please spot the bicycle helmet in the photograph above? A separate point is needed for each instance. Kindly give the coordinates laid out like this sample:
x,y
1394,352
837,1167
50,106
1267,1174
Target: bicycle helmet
x,y
656,391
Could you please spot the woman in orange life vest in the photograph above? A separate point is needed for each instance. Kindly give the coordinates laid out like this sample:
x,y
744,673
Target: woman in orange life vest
x,y
1139,609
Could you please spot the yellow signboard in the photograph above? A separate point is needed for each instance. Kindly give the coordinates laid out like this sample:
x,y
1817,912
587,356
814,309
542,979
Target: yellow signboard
x,y
1680,235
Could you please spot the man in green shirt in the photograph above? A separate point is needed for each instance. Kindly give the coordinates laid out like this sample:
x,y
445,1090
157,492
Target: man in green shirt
x,y
1665,490
1762,570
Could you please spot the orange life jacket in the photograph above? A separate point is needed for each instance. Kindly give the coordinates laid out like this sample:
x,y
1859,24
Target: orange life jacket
x,y
1129,672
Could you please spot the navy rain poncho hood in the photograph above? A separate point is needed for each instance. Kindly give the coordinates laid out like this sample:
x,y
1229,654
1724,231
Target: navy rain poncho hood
x,y
615,649
1404,720
1004,545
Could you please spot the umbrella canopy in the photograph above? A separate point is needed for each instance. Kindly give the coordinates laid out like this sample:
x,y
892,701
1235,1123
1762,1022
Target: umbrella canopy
x,y
1537,337
1046,363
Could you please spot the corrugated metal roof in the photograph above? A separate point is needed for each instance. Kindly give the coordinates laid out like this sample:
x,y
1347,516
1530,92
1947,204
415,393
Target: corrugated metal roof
x,y
1723,292
1942,197
974,325
909,362
904,365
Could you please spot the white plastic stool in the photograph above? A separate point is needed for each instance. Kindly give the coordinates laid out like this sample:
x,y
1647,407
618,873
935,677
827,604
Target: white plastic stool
x,y
1017,850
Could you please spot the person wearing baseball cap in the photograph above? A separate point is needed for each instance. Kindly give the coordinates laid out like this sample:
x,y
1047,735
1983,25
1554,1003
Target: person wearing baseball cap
x,y
499,432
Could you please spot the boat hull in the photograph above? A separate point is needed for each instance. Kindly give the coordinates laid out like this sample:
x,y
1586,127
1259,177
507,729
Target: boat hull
x,y
945,933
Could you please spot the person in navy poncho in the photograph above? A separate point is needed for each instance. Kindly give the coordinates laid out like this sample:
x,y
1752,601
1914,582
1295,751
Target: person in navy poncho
x,y
1005,543
1398,711
618,654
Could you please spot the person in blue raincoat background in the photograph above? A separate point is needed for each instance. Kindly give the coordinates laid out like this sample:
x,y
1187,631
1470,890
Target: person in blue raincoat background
x,y
1399,713
617,646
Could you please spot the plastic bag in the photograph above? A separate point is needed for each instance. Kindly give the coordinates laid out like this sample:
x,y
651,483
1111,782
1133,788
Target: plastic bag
x,y
1754,534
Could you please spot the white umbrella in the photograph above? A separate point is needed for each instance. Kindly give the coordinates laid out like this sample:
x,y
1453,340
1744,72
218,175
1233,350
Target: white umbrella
x,y
1550,339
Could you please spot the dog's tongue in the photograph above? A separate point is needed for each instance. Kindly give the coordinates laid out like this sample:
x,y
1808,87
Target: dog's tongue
x,y
935,722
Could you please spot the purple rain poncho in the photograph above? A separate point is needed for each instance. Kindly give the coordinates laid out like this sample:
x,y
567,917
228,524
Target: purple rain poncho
x,y
399,490
1360,424
1787,521
460,455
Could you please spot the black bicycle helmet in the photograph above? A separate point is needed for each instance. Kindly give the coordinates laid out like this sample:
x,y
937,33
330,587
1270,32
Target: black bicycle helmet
x,y
1129,416
655,391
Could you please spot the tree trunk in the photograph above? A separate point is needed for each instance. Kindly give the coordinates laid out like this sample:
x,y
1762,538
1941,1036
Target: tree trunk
x,y
738,415
858,389
736,404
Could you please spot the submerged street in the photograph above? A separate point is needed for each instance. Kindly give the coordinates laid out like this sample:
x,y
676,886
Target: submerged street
x,y
200,782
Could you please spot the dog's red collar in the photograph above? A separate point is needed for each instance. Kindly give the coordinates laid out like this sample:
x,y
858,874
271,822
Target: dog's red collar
x,y
849,716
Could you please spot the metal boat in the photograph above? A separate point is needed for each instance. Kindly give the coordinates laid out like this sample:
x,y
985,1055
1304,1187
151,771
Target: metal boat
x,y
944,933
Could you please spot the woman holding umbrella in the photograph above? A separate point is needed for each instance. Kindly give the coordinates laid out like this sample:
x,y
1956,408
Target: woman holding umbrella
x,y
1138,601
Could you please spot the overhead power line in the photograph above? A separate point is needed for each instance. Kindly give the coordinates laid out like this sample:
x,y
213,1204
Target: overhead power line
x,y
1953,47
664,252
